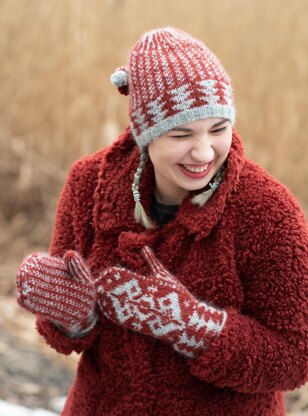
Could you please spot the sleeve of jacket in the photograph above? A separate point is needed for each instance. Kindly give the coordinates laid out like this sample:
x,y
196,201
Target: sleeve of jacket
x,y
265,347
73,229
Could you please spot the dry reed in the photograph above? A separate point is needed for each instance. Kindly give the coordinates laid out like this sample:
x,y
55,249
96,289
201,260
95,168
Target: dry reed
x,y
57,103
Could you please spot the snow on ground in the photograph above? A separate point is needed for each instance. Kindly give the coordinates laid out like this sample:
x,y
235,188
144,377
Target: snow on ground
x,y
8,409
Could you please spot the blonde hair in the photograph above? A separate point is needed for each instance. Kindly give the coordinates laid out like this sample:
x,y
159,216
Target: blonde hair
x,y
139,214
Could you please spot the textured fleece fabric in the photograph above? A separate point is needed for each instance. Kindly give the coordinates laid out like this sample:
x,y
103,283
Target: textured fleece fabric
x,y
245,251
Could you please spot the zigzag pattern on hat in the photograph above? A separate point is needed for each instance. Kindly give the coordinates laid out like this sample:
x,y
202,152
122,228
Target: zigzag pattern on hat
x,y
173,77
181,97
178,105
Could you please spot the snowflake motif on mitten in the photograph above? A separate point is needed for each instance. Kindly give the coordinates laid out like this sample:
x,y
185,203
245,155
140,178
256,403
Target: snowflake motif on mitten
x,y
159,305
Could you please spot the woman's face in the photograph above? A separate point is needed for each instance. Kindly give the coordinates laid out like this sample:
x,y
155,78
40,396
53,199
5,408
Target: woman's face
x,y
187,157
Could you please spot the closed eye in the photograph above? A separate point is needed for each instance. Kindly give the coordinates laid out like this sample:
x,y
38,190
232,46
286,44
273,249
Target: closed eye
x,y
181,137
220,130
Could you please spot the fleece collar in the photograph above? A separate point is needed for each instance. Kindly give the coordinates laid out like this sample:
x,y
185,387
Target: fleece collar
x,y
114,207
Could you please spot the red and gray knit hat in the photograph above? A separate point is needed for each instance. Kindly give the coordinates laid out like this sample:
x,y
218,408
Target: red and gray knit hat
x,y
172,79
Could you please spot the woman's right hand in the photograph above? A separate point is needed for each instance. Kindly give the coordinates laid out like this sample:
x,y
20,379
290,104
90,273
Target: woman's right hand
x,y
59,290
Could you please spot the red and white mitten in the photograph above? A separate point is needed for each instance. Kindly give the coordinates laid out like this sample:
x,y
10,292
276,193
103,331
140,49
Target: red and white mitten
x,y
59,290
159,305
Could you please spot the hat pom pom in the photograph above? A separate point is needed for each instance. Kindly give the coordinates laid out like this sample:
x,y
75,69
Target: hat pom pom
x,y
120,79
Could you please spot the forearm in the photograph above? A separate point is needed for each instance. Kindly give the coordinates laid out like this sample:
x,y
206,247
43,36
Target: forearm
x,y
63,343
251,358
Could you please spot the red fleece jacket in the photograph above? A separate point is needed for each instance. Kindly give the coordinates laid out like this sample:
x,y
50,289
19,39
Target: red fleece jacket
x,y
245,251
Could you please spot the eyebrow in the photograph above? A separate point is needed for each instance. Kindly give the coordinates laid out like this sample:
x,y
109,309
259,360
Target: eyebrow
x,y
190,130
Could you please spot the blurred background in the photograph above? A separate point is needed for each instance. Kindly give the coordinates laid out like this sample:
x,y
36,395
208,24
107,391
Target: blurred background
x,y
57,104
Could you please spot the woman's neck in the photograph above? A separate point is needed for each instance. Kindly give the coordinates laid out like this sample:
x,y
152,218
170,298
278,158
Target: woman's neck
x,y
167,200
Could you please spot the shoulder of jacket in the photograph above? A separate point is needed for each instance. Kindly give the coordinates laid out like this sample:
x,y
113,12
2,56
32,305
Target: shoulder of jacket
x,y
90,165
262,188
85,173
87,167
264,198
90,162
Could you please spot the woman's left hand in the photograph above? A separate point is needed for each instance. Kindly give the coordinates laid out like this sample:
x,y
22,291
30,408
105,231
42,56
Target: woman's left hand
x,y
158,305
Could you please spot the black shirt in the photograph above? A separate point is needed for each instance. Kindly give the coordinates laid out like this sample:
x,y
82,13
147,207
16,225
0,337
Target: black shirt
x,y
162,213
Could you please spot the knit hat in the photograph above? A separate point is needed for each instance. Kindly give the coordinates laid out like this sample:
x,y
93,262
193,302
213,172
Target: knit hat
x,y
171,79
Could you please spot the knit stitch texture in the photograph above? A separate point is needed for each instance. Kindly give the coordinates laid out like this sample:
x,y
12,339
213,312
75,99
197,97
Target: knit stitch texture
x,y
158,305
245,251
58,290
172,79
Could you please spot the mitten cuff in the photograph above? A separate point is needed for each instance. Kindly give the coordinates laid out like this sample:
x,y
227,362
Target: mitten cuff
x,y
77,331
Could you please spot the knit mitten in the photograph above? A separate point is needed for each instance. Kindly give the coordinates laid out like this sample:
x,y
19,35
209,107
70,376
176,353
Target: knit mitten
x,y
159,305
59,290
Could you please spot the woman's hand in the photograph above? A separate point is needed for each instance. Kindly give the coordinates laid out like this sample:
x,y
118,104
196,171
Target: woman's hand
x,y
158,305
59,290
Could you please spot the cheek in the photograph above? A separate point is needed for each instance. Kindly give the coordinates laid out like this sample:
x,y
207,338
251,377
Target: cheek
x,y
222,146
156,154
165,155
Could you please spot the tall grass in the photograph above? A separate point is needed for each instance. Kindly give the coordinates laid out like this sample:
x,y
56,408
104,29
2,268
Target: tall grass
x,y
57,103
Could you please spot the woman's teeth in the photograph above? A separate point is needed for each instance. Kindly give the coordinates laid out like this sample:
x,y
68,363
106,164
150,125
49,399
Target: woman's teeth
x,y
196,169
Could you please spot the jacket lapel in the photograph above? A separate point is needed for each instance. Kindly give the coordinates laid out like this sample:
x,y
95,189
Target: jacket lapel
x,y
114,203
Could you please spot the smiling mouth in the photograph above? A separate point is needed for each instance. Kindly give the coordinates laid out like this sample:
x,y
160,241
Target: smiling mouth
x,y
195,169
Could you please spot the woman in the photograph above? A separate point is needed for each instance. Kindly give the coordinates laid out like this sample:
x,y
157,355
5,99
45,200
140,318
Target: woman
x,y
187,296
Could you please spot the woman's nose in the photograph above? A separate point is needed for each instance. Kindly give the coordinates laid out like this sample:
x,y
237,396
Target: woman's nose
x,y
202,150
